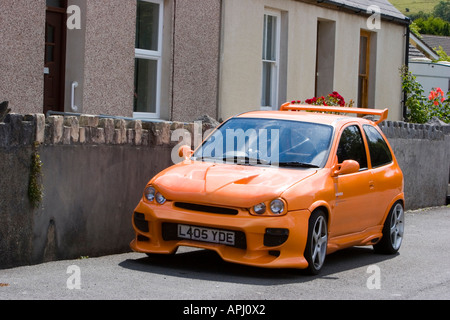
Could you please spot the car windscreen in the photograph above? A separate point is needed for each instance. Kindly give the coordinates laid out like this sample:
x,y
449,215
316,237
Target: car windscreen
x,y
260,141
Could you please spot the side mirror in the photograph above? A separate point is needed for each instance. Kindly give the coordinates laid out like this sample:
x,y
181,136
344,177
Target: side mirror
x,y
185,152
346,167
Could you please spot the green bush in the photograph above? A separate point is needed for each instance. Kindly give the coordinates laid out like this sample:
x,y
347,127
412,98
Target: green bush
x,y
420,109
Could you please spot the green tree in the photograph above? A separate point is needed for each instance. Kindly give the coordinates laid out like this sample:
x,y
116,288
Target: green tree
x,y
433,26
442,10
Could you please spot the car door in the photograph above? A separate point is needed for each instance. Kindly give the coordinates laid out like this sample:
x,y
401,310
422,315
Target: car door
x,y
385,174
354,191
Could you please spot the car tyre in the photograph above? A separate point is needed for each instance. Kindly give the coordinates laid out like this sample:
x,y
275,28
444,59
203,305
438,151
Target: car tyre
x,y
316,246
393,231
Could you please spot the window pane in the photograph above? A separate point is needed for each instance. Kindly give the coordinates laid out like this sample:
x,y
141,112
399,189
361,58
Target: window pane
x,y
56,3
49,49
267,85
363,55
379,151
351,147
145,84
147,25
270,38
361,81
50,34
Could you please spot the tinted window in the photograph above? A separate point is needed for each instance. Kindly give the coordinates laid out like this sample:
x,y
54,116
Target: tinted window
x,y
379,151
351,147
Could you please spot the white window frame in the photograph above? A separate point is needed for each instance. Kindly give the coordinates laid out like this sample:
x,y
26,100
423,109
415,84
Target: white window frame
x,y
156,56
274,86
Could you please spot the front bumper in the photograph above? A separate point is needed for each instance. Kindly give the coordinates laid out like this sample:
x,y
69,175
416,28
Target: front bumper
x,y
258,240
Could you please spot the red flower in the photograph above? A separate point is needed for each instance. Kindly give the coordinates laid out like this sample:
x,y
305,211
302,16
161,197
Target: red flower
x,y
332,99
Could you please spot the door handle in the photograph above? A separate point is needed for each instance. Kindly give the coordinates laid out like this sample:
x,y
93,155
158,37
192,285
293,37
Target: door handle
x,y
371,184
72,98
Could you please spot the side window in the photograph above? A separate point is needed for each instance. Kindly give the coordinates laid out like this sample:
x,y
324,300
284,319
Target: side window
x,y
378,149
351,147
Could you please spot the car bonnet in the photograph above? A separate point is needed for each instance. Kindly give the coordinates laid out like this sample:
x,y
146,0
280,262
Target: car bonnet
x,y
224,184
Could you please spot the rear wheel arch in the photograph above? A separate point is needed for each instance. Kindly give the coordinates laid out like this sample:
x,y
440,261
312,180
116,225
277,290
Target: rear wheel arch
x,y
400,199
393,230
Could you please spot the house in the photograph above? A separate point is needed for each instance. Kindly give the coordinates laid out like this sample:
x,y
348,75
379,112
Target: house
x,y
180,59
424,64
303,49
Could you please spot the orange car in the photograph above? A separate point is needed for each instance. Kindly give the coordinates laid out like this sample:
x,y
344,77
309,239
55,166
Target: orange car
x,y
279,189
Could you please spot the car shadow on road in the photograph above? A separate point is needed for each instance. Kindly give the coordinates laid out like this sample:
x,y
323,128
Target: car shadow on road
x,y
207,265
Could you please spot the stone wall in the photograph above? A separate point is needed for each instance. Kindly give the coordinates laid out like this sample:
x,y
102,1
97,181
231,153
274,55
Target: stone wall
x,y
423,152
94,170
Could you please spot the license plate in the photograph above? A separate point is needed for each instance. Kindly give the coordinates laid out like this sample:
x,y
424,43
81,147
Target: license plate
x,y
206,234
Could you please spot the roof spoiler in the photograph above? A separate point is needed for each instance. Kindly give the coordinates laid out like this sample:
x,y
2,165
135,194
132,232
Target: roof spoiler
x,y
383,114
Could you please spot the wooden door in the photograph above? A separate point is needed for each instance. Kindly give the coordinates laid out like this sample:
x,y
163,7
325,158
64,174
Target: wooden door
x,y
54,64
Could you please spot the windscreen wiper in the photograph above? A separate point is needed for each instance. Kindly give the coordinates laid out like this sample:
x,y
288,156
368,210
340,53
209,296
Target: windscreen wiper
x,y
245,160
296,164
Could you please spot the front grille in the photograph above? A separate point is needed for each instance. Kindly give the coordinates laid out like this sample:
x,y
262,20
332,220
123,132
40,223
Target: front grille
x,y
169,233
204,208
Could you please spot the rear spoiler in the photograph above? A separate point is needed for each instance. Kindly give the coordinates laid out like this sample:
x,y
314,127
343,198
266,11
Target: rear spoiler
x,y
383,114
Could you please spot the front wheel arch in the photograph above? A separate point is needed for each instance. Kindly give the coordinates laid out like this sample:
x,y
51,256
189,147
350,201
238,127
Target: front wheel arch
x,y
317,241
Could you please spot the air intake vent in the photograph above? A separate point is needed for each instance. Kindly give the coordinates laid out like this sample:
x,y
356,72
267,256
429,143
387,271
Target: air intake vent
x,y
203,208
140,222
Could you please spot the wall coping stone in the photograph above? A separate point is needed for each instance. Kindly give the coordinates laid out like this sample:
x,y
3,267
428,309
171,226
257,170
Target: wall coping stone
x,y
405,130
22,130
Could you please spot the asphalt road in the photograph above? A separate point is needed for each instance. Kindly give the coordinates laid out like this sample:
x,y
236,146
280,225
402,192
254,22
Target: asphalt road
x,y
421,270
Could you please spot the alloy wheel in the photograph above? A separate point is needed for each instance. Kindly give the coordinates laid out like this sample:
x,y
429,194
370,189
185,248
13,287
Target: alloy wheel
x,y
397,226
319,242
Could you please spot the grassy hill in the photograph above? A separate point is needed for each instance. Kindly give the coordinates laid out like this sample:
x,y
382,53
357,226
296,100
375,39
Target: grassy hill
x,y
414,6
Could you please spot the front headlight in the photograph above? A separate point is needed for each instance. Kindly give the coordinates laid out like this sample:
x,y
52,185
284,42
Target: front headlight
x,y
260,208
149,194
160,198
277,206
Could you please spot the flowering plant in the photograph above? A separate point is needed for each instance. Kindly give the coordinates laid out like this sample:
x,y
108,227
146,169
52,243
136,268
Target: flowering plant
x,y
436,96
333,99
440,106
420,109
